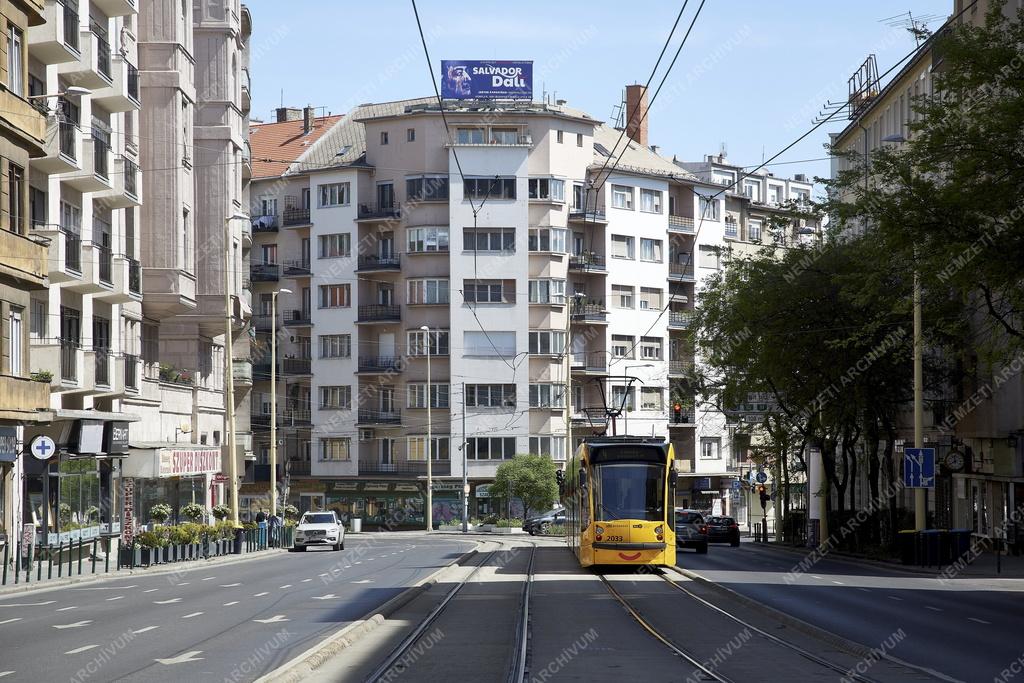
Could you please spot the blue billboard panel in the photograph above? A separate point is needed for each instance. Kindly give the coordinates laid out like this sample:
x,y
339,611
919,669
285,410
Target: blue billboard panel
x,y
486,80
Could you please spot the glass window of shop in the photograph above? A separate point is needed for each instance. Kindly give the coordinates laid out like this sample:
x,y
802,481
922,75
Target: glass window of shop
x,y
78,503
384,510
174,492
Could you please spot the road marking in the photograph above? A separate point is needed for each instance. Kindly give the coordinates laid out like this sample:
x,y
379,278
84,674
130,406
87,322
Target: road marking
x,y
148,628
74,625
362,581
307,580
865,590
272,620
65,609
893,597
5,673
8,621
815,576
287,585
839,583
105,588
934,609
260,595
358,562
26,604
329,596
229,585
980,621
183,583
209,578
151,590
182,658
80,649
228,604
117,597
189,616
166,602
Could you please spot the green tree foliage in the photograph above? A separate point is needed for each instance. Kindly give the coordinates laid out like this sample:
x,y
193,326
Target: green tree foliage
x,y
531,478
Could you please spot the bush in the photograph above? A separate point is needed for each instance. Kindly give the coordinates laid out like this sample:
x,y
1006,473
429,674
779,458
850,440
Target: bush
x,y
556,530
249,525
192,531
193,512
513,523
151,539
225,530
221,511
160,513
178,535
64,511
291,512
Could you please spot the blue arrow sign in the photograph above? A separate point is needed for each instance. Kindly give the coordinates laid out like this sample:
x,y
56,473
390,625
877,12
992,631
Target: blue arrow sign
x,y
919,468
761,477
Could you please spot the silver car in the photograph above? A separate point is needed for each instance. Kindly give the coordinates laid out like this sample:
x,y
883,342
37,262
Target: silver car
x,y
319,528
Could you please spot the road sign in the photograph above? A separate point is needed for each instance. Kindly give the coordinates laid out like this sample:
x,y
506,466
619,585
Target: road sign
x,y
919,468
42,447
761,477
736,485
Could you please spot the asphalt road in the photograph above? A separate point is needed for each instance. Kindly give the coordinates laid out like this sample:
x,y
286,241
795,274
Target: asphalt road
x,y
232,622
965,628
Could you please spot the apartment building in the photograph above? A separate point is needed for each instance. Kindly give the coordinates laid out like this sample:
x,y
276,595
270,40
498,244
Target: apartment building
x,y
24,403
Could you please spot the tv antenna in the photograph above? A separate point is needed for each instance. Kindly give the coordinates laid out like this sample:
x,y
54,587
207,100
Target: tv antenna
x,y
915,26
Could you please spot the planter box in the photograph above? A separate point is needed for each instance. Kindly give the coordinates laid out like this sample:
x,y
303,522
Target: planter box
x,y
147,556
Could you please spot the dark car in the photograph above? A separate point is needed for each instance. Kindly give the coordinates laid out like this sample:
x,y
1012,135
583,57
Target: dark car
x,y
723,530
541,524
691,531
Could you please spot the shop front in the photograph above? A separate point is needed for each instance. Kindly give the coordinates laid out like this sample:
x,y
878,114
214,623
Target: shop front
x,y
174,474
383,505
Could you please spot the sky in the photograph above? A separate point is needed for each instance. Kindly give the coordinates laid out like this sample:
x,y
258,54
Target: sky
x,y
753,75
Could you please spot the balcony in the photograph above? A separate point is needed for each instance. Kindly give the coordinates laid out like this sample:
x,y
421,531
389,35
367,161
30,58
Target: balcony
x,y
299,317
680,368
371,263
134,276
263,322
92,70
593,417
438,468
24,259
265,272
380,364
62,150
592,216
679,320
125,183
22,399
683,419
119,289
246,100
241,371
123,92
379,417
296,269
293,217
70,359
375,212
130,365
298,468
296,366
101,363
680,224
589,311
56,41
264,223
681,272
65,253
116,8
591,363
379,314
94,175
296,417
587,263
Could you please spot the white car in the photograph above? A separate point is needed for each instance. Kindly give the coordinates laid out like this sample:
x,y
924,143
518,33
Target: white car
x,y
319,528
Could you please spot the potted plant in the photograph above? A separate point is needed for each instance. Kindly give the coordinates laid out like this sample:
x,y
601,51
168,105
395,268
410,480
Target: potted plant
x,y
64,512
42,376
151,542
160,513
291,512
193,512
192,533
220,512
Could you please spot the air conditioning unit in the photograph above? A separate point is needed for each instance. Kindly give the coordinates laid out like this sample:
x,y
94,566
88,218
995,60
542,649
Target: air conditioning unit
x,y
366,435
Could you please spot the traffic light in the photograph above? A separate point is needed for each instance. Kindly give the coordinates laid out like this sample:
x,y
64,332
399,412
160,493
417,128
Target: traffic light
x,y
763,493
677,412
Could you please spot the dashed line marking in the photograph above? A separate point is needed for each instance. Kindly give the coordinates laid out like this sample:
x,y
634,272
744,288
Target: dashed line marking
x,y
229,604
934,609
287,585
839,583
305,580
229,585
74,625
815,576
979,621
8,621
189,616
166,602
80,649
209,578
147,628
5,673
65,609
260,595
116,597
151,590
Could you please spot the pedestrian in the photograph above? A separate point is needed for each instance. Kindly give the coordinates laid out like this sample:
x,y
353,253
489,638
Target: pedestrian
x,y
261,524
275,530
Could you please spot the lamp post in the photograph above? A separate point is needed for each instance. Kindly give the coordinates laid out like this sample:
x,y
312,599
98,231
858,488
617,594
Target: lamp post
x,y
74,90
229,378
430,482
625,381
273,399
578,296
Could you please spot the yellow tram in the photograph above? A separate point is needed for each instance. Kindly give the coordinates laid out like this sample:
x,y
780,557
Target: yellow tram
x,y
619,496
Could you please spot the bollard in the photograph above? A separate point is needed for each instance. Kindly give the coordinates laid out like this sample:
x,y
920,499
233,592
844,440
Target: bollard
x,y
92,560
79,556
39,566
17,563
7,554
106,557
60,561
28,567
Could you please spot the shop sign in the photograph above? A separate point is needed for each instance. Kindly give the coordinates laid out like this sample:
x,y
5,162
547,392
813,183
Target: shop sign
x,y
409,488
376,487
87,437
345,486
115,437
8,444
447,486
128,509
483,491
184,463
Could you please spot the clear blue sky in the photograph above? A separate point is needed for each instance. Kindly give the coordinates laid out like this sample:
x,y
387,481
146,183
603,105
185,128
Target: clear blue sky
x,y
753,74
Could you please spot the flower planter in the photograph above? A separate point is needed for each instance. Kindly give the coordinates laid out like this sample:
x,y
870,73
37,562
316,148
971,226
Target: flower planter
x,y
146,556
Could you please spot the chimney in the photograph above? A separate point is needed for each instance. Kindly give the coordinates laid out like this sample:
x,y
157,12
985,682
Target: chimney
x,y
636,101
308,115
287,114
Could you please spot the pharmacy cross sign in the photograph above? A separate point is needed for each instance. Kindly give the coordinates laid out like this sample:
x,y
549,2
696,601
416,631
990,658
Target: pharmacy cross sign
x,y
42,447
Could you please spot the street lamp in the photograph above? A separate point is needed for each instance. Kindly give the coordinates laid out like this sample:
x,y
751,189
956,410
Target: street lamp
x,y
625,380
273,398
229,379
74,90
430,482
574,299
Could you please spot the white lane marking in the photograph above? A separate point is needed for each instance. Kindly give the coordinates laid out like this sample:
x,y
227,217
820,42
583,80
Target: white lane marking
x,y
839,583
287,585
306,580
105,588
272,620
979,621
865,590
183,583
8,621
893,597
5,673
182,658
26,604
229,585
260,595
189,616
151,590
74,625
80,649
148,628
329,596
362,581
934,609
815,576
228,604
166,602
65,609
209,578
116,597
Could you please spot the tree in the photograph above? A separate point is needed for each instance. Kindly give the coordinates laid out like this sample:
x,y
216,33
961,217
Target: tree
x,y
531,478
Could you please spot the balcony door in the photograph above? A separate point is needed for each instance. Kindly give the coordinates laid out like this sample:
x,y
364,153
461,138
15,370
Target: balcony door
x,y
386,294
386,345
387,399
386,196
386,245
387,454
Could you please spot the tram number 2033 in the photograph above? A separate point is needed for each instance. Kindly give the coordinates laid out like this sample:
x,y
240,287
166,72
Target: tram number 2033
x,y
614,538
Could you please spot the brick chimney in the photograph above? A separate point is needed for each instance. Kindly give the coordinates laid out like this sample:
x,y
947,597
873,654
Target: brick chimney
x,y
308,114
288,114
636,125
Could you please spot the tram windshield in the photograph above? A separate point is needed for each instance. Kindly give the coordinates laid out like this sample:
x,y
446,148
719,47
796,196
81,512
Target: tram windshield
x,y
629,491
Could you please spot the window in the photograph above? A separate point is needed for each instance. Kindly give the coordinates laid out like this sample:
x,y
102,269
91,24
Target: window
x,y
710,448
416,448
410,135
622,346
338,449
548,239
489,343
426,188
489,291
268,253
335,296
416,395
723,178
559,136
754,230
16,197
336,398
504,136
335,345
427,239
774,193
732,227
650,250
752,190
491,448
427,292
650,348
333,194
337,245
15,63
622,296
489,239
386,195
709,208
578,196
622,197
652,398
650,201
383,137
551,446
802,195
708,256
550,189
650,299
490,395
547,291
186,241
417,342
14,351
547,395
495,188
622,398
622,246
470,136
547,342
579,139
38,320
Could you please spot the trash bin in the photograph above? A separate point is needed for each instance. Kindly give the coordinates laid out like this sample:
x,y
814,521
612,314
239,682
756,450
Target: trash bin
x,y
931,547
959,543
237,549
906,543
357,525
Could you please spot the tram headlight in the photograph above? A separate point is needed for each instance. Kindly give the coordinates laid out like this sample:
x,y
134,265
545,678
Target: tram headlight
x,y
599,529
660,530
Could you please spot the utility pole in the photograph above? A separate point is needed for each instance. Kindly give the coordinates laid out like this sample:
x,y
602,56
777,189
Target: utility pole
x,y
465,474
229,376
430,455
920,494
273,400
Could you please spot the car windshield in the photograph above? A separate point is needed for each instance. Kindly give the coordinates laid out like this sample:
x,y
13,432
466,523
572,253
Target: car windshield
x,y
688,518
317,519
720,521
629,491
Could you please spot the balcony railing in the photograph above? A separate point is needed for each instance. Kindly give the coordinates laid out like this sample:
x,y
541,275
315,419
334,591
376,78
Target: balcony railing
x,y
133,82
577,214
296,417
264,223
134,276
596,361
298,468
681,270
69,360
380,417
296,268
680,223
589,310
680,367
379,313
375,466
265,272
732,229
295,217
263,322
379,211
593,417
100,158
102,361
105,258
373,262
296,366
102,49
131,177
70,26
586,262
66,131
241,370
300,317
683,418
72,251
680,319
131,372
380,363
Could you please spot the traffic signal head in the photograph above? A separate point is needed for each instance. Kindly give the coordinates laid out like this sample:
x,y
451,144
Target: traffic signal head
x,y
677,412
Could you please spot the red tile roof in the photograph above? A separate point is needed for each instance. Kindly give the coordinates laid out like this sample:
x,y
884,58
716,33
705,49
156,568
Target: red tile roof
x,y
276,145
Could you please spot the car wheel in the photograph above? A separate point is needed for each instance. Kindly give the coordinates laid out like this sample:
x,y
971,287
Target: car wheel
x,y
301,548
531,531
735,543
545,528
702,549
336,547
341,546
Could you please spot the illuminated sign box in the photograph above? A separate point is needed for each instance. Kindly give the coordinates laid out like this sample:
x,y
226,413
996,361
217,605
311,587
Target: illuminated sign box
x,y
486,80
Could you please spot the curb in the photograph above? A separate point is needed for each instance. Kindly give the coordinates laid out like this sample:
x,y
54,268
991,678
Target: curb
x,y
854,560
300,667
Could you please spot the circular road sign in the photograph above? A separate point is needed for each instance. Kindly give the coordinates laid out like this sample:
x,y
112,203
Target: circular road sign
x,y
761,477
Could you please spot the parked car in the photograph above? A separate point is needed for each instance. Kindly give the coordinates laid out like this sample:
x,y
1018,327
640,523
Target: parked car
x,y
691,530
723,530
319,528
541,524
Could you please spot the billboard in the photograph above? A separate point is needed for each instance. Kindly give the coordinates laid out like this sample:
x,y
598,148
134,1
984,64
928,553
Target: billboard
x,y
486,80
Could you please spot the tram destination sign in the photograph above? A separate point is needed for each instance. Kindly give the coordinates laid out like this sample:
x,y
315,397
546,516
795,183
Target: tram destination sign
x,y
486,80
